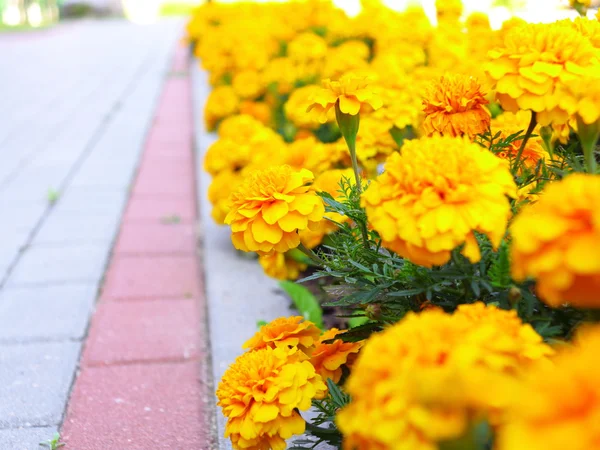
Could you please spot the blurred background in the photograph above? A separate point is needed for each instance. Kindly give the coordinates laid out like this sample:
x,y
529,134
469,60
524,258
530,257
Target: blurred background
x,y
24,14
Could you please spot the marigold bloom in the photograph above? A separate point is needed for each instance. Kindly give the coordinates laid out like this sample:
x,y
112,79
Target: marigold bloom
x,y
558,405
424,379
221,187
328,359
285,333
309,154
555,241
295,107
259,395
435,194
531,66
455,106
280,266
351,91
248,84
222,102
270,207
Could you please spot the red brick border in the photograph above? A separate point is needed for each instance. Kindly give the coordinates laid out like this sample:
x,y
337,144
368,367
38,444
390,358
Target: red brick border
x,y
141,384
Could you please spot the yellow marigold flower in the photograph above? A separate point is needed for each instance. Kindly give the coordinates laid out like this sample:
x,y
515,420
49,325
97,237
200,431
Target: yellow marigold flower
x,y
222,102
270,207
590,28
221,187
280,266
511,344
455,106
328,181
426,378
557,406
295,107
435,194
374,140
258,110
307,47
248,84
530,67
555,241
286,333
260,394
348,57
449,10
351,92
328,358
309,154
478,21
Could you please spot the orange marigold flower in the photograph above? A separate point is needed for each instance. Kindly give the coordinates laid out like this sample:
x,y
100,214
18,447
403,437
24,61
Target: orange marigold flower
x,y
328,359
260,394
455,106
286,332
426,378
557,406
270,207
555,241
280,266
351,92
435,194
531,66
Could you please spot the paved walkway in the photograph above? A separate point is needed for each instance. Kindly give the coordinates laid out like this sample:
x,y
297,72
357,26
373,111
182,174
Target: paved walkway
x,y
76,115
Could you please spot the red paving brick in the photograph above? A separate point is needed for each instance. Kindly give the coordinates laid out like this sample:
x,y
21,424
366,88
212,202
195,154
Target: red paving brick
x,y
157,180
150,330
151,208
147,277
137,407
141,386
156,238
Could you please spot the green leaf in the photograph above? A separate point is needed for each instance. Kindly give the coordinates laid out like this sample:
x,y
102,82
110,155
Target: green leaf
x,y
354,322
305,302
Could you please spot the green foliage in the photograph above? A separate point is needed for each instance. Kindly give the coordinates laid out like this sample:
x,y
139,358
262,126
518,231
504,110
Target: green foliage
x,y
304,301
54,443
321,429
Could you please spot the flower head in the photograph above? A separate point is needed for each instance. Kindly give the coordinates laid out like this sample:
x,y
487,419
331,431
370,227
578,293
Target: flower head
x,y
350,92
557,406
221,103
280,266
435,194
259,395
328,358
270,207
531,66
455,106
286,332
426,378
555,241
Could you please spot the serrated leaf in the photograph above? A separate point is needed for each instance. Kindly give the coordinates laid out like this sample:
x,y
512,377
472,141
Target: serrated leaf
x,y
304,301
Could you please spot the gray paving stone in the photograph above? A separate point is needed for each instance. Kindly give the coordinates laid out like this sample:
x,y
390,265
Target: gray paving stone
x,y
60,264
20,216
25,438
77,228
35,381
46,312
85,200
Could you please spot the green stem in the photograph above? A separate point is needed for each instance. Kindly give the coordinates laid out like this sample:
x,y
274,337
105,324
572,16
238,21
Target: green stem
x,y
528,133
588,136
312,255
352,148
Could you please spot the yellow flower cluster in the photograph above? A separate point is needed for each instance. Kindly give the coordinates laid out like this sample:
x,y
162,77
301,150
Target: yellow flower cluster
x,y
427,378
282,371
434,195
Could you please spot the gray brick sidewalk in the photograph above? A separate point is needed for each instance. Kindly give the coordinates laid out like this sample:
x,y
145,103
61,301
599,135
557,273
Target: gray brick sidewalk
x,y
76,104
